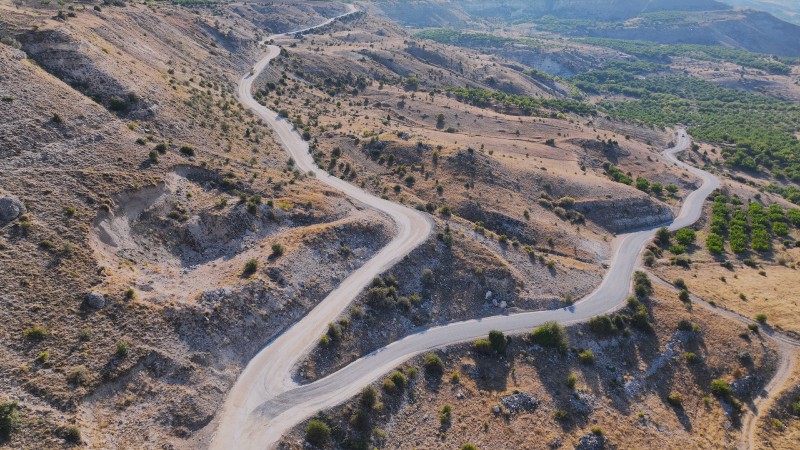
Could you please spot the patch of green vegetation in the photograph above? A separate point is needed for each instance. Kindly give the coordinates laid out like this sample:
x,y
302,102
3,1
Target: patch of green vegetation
x,y
485,98
751,227
550,334
463,39
757,132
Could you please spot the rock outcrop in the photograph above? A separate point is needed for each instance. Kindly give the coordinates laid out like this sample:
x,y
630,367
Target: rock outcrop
x,y
625,215
10,208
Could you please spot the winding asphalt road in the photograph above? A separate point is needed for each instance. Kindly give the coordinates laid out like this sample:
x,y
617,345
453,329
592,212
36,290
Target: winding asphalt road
x,y
265,402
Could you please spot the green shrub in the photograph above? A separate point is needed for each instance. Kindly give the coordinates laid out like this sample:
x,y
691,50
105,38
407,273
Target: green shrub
x,y
78,375
72,434
123,348
663,236
586,357
687,325
571,380
9,418
399,379
427,278
117,104
161,148
446,414
318,433
675,399
250,267
468,447
561,415
677,249
433,364
187,150
686,236
498,341
721,388
684,296
325,340
334,332
691,357
369,397
36,333
602,325
482,346
550,334
715,244
761,318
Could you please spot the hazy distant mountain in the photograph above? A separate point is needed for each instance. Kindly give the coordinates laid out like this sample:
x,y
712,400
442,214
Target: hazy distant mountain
x,y
706,22
785,9
429,12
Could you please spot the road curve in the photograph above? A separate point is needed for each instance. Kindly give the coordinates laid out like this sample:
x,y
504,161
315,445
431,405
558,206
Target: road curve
x,y
265,402
268,373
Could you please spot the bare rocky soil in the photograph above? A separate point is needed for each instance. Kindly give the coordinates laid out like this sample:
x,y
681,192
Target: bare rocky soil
x,y
523,398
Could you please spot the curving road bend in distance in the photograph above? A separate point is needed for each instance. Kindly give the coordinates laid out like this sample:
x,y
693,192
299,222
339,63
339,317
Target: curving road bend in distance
x,y
265,402
269,372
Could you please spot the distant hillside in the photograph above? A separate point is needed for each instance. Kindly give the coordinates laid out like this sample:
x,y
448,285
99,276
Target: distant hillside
x,y
705,22
788,10
452,12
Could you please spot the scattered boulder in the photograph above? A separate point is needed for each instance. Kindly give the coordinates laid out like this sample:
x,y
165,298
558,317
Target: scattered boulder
x,y
520,401
10,208
591,441
95,300
582,402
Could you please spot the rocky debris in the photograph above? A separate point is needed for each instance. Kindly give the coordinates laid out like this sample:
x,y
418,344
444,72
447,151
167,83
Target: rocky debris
x,y
591,441
747,386
95,300
582,402
470,370
214,297
10,208
520,401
